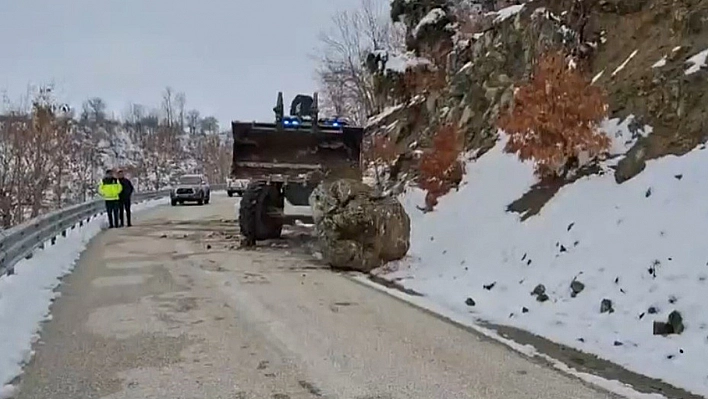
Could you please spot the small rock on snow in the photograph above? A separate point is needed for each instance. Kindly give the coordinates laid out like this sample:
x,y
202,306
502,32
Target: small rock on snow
x,y
540,289
606,306
676,321
576,287
470,302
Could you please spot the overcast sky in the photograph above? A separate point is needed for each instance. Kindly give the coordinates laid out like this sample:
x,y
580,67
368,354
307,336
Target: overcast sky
x,y
230,57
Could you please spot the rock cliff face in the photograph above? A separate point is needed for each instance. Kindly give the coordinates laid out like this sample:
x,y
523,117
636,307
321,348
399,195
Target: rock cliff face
x,y
646,54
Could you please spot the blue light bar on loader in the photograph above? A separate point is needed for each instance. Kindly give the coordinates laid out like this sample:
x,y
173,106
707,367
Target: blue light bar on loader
x,y
291,122
334,122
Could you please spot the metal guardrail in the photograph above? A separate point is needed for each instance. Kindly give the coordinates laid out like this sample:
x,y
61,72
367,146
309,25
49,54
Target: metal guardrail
x,y
20,242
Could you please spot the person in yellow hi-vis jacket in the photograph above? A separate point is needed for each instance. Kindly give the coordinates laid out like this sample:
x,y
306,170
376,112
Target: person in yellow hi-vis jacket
x,y
110,189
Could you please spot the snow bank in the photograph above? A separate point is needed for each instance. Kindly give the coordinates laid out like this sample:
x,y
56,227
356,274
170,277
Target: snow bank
x,y
506,13
640,244
25,297
697,62
400,63
431,18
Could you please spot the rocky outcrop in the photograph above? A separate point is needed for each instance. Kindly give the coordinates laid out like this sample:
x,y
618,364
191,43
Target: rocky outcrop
x,y
480,83
638,51
356,229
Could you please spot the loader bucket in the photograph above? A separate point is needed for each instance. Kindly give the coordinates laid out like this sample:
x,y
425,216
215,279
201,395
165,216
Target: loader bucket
x,y
269,150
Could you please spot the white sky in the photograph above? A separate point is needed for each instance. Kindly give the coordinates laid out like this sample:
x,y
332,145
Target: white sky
x,y
230,57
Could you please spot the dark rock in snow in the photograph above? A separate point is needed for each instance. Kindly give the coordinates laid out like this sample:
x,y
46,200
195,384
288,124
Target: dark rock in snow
x,y
641,315
678,177
576,287
672,299
648,193
540,289
542,298
652,310
661,328
208,246
653,268
470,302
570,226
676,321
524,310
606,306
674,325
562,248
618,343
488,287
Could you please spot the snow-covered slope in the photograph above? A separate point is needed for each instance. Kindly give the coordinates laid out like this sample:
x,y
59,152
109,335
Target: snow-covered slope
x,y
640,245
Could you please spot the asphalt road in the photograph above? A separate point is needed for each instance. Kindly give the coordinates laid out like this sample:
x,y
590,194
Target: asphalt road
x,y
170,308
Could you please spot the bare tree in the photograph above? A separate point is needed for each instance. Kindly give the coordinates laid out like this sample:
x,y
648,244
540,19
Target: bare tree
x,y
345,81
94,110
209,125
168,108
180,103
193,118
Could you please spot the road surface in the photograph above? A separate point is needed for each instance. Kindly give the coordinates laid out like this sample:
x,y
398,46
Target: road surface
x,y
170,308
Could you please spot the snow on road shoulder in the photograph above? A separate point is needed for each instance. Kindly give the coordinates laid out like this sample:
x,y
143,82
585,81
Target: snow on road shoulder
x,y
25,297
639,245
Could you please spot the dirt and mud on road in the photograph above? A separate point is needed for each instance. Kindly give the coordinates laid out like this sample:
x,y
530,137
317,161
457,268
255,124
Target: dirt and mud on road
x,y
171,308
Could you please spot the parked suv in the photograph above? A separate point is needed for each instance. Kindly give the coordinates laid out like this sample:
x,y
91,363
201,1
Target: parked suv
x,y
191,188
237,186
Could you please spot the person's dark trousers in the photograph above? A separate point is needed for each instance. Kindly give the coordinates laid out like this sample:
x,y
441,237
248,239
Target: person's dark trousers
x,y
112,210
124,213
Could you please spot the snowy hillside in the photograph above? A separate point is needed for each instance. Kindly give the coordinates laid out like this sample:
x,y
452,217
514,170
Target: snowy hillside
x,y
611,259
51,158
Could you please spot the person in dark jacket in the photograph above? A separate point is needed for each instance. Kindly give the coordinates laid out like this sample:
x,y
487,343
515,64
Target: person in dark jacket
x,y
110,190
125,199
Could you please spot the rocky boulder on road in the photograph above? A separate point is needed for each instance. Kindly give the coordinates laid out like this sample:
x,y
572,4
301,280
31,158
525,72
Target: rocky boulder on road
x,y
356,228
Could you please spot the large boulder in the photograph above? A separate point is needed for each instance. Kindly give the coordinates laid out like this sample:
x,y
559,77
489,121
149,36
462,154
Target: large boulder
x,y
357,229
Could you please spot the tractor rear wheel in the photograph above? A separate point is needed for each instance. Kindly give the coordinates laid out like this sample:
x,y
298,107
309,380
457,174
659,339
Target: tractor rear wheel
x,y
260,212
